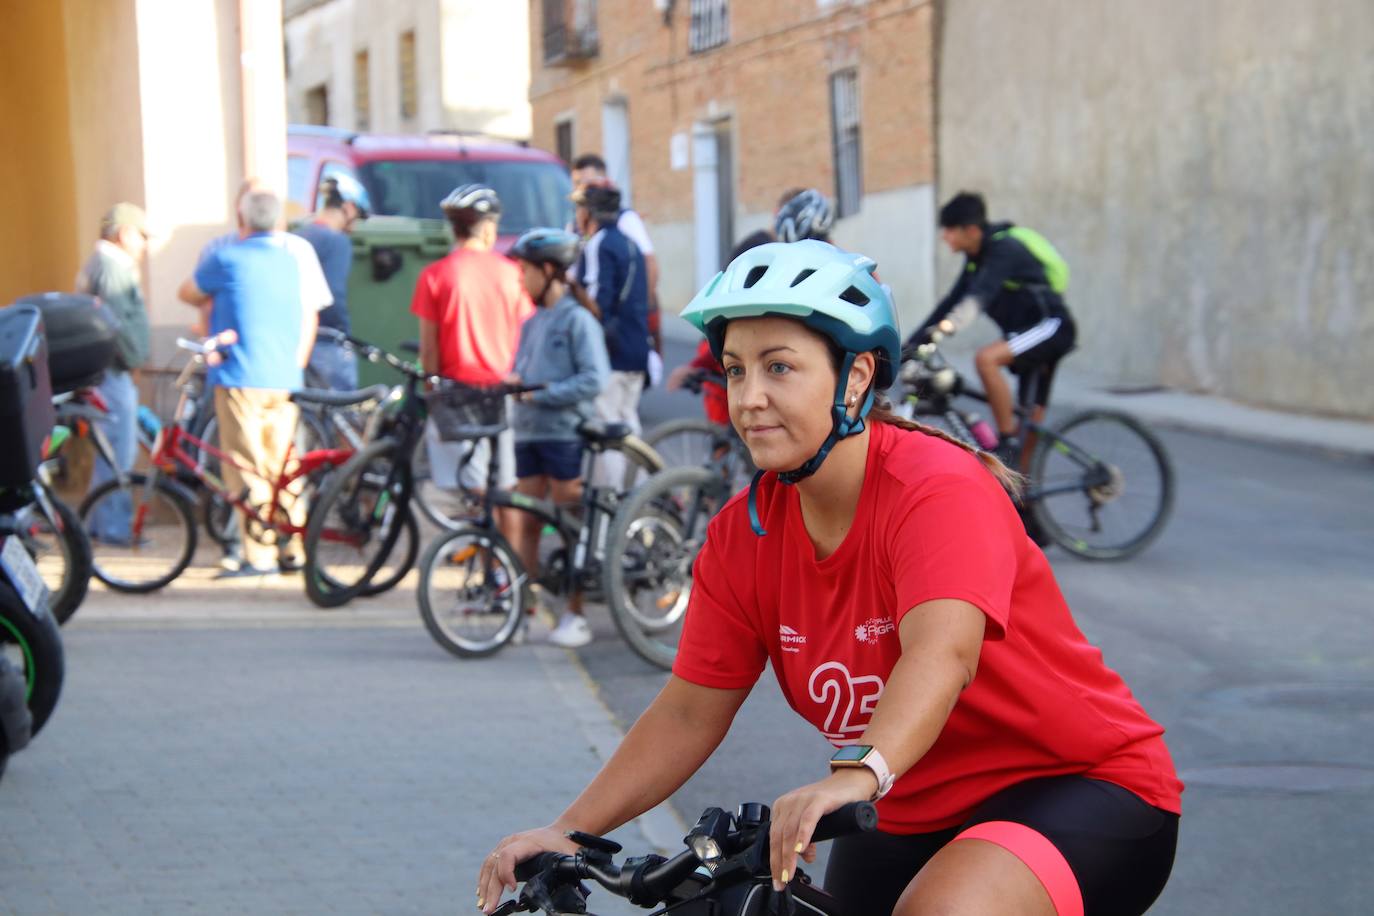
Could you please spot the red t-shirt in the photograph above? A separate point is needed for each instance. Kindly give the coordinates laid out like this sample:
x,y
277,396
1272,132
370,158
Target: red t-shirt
x,y
931,523
479,303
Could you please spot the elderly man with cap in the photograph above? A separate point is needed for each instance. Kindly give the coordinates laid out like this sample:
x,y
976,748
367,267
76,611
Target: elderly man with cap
x,y
114,273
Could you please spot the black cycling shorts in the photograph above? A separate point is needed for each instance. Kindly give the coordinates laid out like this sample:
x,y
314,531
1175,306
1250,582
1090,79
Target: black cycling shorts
x,y
1041,345
1099,849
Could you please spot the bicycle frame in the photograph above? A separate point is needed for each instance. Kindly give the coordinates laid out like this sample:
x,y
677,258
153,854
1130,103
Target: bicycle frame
x,y
1095,470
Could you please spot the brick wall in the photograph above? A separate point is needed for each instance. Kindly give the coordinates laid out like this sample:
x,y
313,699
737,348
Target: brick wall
x,y
771,77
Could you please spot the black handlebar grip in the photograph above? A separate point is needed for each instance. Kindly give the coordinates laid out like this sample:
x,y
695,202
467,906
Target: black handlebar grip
x,y
545,861
856,817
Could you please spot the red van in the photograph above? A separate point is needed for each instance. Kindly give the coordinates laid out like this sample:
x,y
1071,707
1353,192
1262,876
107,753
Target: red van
x,y
410,175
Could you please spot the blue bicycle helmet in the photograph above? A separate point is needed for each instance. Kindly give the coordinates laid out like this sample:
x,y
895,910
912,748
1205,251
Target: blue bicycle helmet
x,y
834,293
558,247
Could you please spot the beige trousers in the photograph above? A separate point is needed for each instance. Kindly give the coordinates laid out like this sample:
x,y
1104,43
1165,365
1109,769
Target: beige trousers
x,y
256,427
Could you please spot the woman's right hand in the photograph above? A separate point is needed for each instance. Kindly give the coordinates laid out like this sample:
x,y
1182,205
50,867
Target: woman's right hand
x,y
498,869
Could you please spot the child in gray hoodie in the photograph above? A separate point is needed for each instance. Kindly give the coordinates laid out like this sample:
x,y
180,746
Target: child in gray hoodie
x,y
563,348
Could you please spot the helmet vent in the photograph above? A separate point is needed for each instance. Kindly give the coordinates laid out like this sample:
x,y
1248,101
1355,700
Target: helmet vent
x,y
854,296
802,276
755,275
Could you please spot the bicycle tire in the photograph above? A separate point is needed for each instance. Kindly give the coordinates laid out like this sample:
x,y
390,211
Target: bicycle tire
x,y
409,547
73,552
39,653
641,461
659,553
1054,515
503,602
375,466
178,547
692,442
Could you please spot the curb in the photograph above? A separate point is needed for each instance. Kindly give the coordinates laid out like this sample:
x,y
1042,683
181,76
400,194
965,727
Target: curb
x,y
662,826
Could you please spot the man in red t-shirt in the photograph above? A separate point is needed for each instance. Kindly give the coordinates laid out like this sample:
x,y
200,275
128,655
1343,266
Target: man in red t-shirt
x,y
471,305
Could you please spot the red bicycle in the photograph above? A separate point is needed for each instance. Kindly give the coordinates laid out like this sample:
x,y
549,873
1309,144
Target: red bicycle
x,y
161,541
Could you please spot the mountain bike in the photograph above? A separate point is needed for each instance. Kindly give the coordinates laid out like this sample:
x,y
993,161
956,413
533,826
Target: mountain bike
x,y
474,589
1099,484
723,872
162,536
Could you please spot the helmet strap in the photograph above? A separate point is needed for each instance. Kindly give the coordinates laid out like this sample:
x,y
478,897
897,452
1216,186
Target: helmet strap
x,y
842,426
548,281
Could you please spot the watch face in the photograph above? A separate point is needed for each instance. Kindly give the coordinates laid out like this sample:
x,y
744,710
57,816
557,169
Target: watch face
x,y
851,754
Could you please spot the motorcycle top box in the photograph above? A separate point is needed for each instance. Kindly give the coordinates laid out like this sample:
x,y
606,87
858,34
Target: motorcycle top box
x,y
81,338
26,411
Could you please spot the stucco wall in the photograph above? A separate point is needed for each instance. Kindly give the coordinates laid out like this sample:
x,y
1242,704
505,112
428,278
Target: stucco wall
x,y
471,60
1203,166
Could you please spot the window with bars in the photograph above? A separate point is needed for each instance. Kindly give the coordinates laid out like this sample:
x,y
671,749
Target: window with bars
x,y
845,138
409,84
570,32
710,24
563,139
362,91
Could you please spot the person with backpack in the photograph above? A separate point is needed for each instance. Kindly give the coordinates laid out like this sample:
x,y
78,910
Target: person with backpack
x,y
1018,279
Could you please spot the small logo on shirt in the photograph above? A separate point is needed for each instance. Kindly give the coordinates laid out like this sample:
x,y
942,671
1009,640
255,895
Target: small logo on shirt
x,y
792,641
869,631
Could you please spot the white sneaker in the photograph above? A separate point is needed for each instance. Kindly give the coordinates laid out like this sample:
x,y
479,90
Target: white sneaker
x,y
572,632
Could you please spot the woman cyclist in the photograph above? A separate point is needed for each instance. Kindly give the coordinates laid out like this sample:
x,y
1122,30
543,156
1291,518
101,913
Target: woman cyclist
x,y
881,569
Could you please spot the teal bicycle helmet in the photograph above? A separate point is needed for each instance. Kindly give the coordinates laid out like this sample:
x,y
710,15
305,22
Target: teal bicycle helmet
x,y
834,293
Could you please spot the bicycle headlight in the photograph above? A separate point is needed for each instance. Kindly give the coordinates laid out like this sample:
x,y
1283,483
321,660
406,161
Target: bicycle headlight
x,y
706,837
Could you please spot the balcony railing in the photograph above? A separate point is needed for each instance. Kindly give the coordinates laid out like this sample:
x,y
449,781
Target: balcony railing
x,y
710,25
569,31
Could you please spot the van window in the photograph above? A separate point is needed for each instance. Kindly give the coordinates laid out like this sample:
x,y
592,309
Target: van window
x,y
330,170
532,194
298,180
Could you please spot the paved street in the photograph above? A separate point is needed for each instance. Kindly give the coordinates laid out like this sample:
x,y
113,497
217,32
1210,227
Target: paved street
x,y
233,750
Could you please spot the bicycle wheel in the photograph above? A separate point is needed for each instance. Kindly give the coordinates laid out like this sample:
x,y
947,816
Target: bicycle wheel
x,y
654,538
32,643
355,524
1101,485
162,539
62,552
641,461
691,442
471,591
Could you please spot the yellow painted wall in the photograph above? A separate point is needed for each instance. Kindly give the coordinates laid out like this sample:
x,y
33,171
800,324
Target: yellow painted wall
x,y
40,245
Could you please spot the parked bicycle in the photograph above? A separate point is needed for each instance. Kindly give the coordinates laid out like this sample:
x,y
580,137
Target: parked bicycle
x,y
474,590
1099,484
163,531
723,872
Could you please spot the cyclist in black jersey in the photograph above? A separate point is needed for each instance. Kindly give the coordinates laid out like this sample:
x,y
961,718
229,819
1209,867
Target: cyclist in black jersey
x,y
1014,275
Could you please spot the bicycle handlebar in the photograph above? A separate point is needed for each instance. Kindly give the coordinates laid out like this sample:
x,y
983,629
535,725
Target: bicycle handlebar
x,y
648,880
209,344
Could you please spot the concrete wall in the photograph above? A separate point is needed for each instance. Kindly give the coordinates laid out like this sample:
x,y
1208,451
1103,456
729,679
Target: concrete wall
x,y
138,100
472,63
39,243
1203,166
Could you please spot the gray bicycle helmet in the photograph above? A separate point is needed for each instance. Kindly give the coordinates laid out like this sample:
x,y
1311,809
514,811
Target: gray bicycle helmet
x,y
473,196
547,246
807,215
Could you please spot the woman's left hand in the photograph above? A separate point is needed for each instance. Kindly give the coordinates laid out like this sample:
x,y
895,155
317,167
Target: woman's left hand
x,y
796,813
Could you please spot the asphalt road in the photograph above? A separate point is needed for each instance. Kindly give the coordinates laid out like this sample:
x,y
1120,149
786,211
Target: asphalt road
x,y
1244,630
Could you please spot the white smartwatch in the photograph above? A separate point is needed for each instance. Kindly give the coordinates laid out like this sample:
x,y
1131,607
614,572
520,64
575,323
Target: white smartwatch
x,y
865,755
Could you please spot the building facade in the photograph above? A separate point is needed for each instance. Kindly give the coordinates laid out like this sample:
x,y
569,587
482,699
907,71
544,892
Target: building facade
x,y
707,110
163,103
409,66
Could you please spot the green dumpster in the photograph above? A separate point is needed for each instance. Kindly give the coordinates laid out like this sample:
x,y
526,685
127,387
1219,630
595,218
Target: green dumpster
x,y
388,254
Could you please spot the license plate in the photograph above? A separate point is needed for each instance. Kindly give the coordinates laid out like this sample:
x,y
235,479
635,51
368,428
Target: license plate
x,y
23,575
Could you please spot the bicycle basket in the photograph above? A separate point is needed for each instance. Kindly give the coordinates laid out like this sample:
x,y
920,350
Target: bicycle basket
x,y
463,412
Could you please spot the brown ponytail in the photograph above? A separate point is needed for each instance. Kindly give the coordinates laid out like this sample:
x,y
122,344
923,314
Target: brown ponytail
x,y
1010,480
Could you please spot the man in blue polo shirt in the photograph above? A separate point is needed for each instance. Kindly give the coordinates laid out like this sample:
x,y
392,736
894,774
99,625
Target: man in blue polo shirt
x,y
255,285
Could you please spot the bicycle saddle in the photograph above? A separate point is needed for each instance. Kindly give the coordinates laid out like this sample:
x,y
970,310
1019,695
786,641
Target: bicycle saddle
x,y
601,431
340,398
